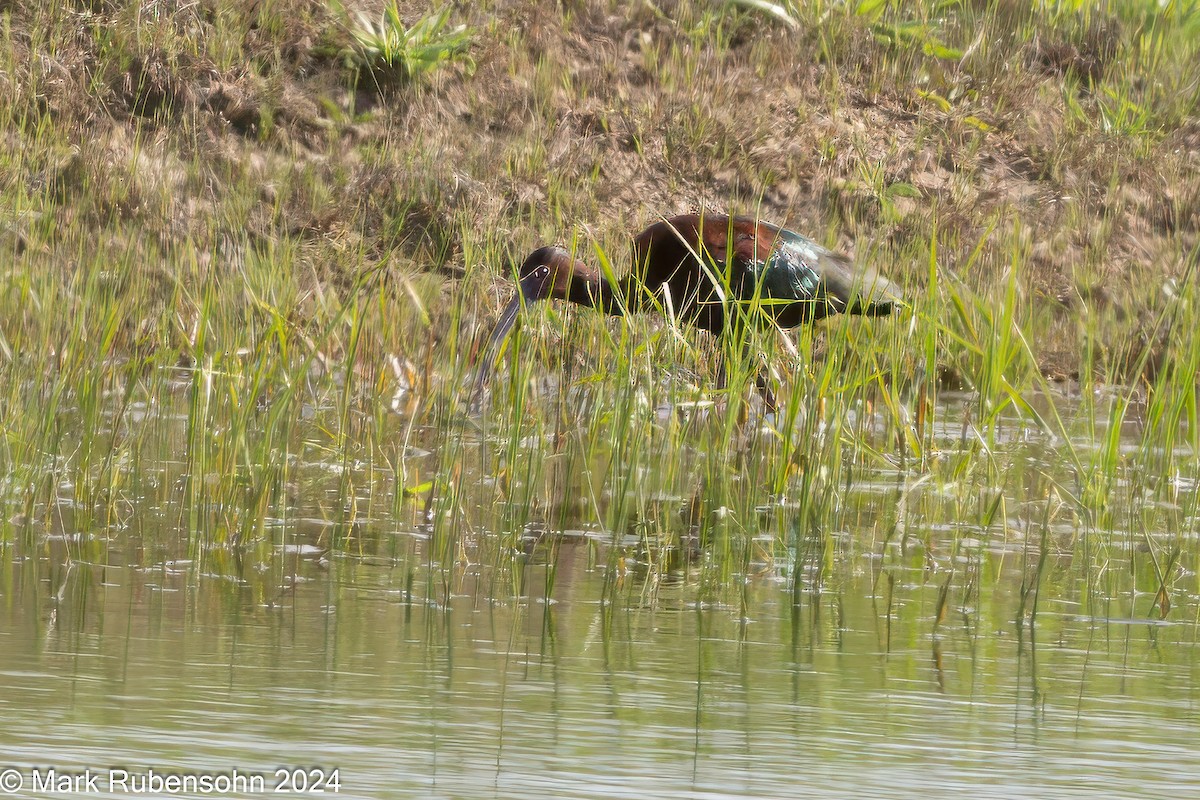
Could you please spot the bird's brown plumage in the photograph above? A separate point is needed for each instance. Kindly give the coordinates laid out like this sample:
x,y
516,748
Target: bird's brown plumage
x,y
709,269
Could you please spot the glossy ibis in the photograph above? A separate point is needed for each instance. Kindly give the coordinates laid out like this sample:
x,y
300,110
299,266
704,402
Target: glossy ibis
x,y
703,268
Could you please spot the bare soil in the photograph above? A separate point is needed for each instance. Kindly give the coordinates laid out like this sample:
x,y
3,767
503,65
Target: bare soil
x,y
598,118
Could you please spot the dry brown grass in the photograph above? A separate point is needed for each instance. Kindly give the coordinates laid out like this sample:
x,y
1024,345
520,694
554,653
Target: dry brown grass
x,y
160,128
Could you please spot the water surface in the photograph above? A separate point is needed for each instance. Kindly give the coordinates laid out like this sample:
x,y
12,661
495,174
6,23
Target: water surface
x,y
557,663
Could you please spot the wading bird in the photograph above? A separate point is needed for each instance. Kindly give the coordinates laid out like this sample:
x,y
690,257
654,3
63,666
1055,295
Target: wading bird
x,y
716,272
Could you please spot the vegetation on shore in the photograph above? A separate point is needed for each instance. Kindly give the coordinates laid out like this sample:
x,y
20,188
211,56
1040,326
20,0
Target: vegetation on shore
x,y
245,239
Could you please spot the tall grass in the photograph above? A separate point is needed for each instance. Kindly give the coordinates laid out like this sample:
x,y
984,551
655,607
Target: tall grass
x,y
251,373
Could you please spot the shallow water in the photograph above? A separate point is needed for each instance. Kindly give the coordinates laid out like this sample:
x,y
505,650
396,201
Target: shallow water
x,y
565,667
580,698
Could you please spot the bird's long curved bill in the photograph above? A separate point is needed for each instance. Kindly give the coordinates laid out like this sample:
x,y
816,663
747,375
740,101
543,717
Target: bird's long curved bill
x,y
529,291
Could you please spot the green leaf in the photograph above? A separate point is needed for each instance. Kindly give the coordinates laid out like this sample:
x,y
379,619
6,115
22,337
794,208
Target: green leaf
x,y
939,50
936,99
902,189
872,9
413,491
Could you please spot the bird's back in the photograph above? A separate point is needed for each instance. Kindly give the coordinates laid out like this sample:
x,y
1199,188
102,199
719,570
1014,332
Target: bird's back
x,y
792,278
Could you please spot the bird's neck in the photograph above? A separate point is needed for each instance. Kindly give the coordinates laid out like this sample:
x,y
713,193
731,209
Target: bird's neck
x,y
590,289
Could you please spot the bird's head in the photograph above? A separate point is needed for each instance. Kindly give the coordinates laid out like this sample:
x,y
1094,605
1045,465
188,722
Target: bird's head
x,y
545,273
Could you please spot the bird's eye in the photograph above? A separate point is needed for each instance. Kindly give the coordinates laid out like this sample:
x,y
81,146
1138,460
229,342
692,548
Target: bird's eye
x,y
543,271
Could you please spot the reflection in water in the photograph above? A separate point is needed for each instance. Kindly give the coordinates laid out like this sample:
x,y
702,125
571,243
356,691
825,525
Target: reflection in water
x,y
581,621
581,687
